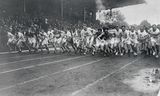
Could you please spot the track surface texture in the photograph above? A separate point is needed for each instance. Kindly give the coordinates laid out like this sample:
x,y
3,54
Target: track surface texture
x,y
71,74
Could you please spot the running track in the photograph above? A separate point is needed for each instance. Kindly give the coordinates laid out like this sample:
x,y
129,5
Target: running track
x,y
68,74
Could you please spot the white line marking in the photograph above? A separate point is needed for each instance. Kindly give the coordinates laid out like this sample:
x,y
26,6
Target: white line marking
x,y
26,55
21,56
43,64
12,52
45,57
48,75
95,82
2,53
158,93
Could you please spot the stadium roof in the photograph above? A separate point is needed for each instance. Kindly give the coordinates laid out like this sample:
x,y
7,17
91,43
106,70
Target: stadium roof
x,y
9,4
71,8
122,3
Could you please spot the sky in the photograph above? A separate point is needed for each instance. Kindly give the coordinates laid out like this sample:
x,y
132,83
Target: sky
x,y
149,11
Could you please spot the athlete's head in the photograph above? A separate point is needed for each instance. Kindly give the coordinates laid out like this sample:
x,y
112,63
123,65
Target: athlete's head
x,y
117,27
99,30
142,29
123,28
105,29
85,28
132,28
154,27
158,26
29,30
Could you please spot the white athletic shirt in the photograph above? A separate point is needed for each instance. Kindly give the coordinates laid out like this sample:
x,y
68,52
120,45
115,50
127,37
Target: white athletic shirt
x,y
68,34
142,34
76,33
63,33
125,34
10,35
133,35
20,36
50,32
118,32
112,31
89,31
154,32
45,35
83,33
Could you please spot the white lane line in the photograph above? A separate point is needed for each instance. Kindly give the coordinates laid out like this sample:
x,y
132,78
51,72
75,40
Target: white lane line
x,y
43,64
48,75
95,82
20,56
39,58
2,53
158,93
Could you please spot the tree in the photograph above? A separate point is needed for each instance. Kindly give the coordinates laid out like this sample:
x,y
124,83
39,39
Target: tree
x,y
111,17
119,18
158,26
145,23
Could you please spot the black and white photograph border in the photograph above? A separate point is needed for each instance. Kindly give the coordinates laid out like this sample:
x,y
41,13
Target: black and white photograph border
x,y
79,48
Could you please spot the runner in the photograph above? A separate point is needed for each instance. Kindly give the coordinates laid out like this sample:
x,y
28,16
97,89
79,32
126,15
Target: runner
x,y
154,33
124,44
134,40
11,41
44,41
20,41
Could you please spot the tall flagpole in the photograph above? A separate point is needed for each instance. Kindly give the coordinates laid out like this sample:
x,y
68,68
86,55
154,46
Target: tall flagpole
x,y
84,15
62,13
24,6
62,9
